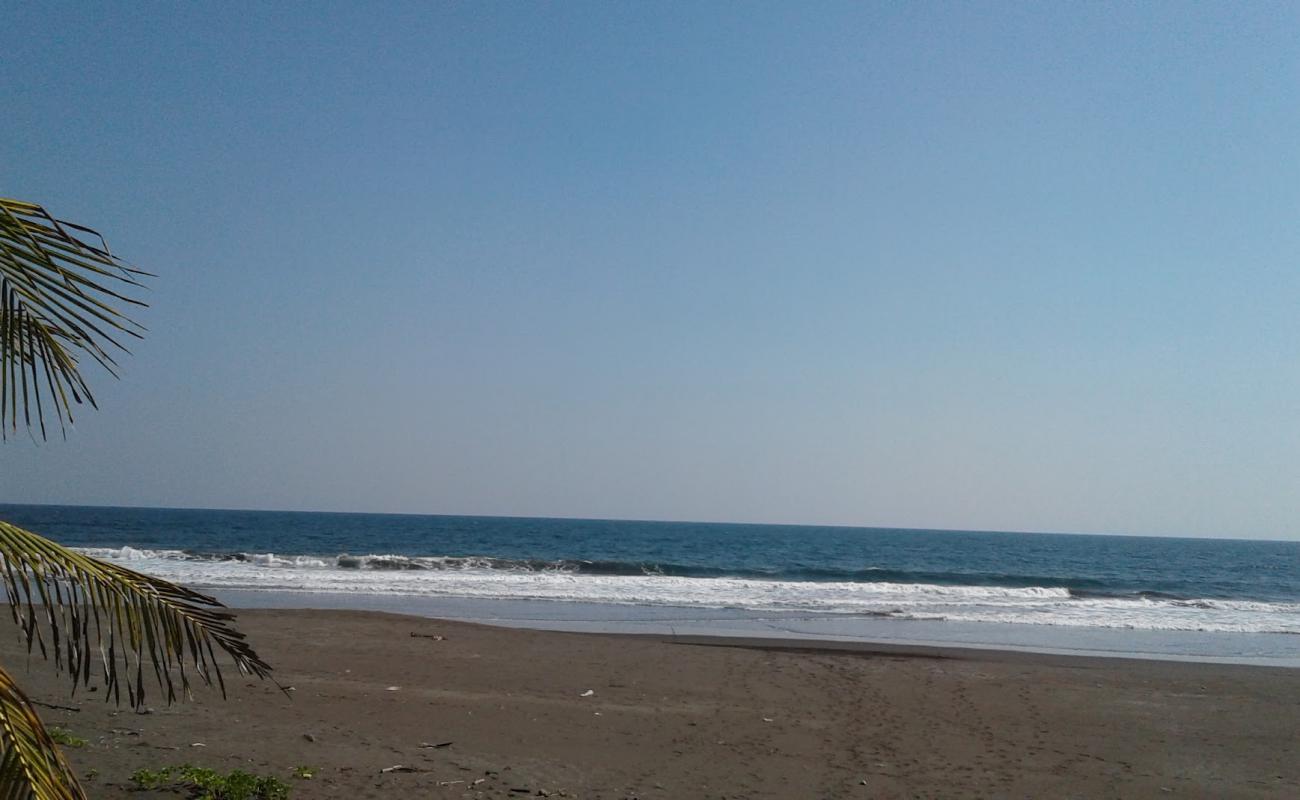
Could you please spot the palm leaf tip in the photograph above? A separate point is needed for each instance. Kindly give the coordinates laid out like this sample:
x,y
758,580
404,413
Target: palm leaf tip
x,y
60,292
31,764
92,616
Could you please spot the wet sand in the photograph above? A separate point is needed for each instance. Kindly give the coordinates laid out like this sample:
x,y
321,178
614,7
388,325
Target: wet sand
x,y
511,716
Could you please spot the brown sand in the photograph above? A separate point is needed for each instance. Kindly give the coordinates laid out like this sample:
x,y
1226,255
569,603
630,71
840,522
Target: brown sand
x,y
690,720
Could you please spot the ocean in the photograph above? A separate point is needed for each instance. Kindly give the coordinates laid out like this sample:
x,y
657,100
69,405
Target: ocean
x,y
1208,599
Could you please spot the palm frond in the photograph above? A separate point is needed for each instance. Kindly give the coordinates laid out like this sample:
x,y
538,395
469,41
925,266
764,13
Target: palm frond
x,y
31,765
60,289
83,612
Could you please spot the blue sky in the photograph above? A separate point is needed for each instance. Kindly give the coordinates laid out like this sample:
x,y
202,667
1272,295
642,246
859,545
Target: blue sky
x,y
969,266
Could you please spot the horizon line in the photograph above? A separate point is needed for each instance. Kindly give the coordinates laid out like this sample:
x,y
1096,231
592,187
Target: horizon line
x,y
653,521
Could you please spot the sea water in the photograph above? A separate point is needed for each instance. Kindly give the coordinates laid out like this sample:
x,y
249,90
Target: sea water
x,y
1193,598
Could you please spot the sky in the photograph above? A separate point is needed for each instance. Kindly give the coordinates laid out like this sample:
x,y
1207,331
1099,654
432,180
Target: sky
x,y
976,266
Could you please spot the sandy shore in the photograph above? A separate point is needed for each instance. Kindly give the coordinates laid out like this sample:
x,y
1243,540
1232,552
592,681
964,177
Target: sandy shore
x,y
598,716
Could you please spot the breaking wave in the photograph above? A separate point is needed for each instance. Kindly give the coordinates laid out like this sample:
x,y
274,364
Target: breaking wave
x,y
871,592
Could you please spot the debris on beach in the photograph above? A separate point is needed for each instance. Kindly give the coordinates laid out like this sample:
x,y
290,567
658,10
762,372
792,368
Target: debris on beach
x,y
392,688
401,768
588,693
433,746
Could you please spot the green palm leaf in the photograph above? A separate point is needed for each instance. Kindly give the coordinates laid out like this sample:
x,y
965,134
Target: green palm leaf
x,y
60,288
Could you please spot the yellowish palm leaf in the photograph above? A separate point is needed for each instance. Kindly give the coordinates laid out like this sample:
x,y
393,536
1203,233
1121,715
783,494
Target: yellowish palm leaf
x,y
93,618
31,765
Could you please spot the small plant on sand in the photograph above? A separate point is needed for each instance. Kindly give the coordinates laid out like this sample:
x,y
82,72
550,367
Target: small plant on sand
x,y
66,738
304,773
60,293
151,778
206,784
235,785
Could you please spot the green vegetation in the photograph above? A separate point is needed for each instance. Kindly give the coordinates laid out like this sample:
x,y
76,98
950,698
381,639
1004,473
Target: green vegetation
x,y
151,778
207,784
60,291
304,773
66,738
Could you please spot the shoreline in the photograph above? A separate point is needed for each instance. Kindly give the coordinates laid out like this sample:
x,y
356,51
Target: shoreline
x,y
1272,650
478,711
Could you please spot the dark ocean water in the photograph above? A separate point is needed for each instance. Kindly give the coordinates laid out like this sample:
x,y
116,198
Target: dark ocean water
x,y
991,577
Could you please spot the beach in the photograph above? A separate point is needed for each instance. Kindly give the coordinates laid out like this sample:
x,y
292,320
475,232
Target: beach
x,y
650,401
382,705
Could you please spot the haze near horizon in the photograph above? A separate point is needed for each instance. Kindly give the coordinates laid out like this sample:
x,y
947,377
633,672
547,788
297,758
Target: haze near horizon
x,y
928,266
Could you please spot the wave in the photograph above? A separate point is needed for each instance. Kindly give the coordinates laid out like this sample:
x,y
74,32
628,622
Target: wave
x,y
882,593
393,562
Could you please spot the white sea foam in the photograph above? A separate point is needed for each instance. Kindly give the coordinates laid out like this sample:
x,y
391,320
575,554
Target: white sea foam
x,y
379,574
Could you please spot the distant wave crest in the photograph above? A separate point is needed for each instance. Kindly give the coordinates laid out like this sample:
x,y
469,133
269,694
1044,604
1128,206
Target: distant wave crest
x,y
1020,599
393,562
